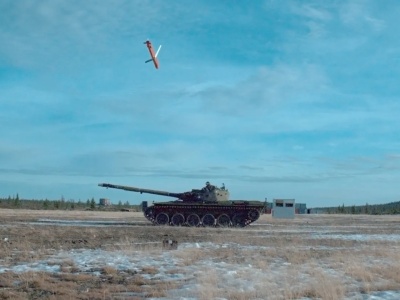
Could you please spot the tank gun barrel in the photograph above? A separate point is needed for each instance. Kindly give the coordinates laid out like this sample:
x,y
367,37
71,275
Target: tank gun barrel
x,y
209,193
139,190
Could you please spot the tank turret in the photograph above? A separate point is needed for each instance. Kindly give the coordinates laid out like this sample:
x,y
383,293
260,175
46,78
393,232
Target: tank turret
x,y
209,193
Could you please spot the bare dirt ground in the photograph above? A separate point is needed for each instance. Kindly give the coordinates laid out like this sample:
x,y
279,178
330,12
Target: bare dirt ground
x,y
310,257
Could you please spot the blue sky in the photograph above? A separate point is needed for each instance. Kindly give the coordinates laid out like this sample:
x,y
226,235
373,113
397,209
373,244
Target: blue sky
x,y
276,99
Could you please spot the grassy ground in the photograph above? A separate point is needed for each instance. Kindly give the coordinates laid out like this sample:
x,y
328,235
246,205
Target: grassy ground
x,y
314,257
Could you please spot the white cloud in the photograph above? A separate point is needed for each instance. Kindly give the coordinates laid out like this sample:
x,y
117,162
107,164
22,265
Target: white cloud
x,y
267,89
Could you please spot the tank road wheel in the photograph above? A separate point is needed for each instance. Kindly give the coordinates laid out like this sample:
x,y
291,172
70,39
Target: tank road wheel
x,y
239,220
193,220
208,220
224,220
253,214
162,219
177,219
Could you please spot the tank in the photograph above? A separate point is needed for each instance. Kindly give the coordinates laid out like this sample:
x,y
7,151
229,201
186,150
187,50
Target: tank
x,y
209,207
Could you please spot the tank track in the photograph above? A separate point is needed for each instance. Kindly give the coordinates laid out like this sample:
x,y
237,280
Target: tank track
x,y
205,215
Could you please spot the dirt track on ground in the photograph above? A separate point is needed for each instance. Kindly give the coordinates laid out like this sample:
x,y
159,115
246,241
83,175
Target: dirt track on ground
x,y
97,229
56,230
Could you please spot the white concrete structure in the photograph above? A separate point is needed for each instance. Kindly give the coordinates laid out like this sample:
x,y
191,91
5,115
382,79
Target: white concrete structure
x,y
283,208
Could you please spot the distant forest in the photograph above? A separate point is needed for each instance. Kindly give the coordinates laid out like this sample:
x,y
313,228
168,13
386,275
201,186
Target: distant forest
x,y
90,204
392,208
62,204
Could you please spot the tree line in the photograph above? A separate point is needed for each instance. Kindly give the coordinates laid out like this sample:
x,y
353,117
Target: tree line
x,y
391,208
62,204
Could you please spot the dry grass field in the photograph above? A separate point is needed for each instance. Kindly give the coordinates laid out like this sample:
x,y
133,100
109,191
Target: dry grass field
x,y
119,255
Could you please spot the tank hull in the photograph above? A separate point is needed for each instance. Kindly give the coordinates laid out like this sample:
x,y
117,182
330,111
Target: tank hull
x,y
222,214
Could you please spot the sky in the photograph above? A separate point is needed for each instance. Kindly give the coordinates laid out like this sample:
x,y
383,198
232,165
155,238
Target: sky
x,y
275,99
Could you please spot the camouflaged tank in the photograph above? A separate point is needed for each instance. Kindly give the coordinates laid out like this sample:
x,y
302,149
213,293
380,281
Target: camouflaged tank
x,y
209,207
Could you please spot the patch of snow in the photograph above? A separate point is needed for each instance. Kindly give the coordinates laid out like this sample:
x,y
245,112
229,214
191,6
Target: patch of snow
x,y
381,295
358,237
82,223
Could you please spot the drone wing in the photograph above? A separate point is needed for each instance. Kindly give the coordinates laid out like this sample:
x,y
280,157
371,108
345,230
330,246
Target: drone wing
x,y
159,48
